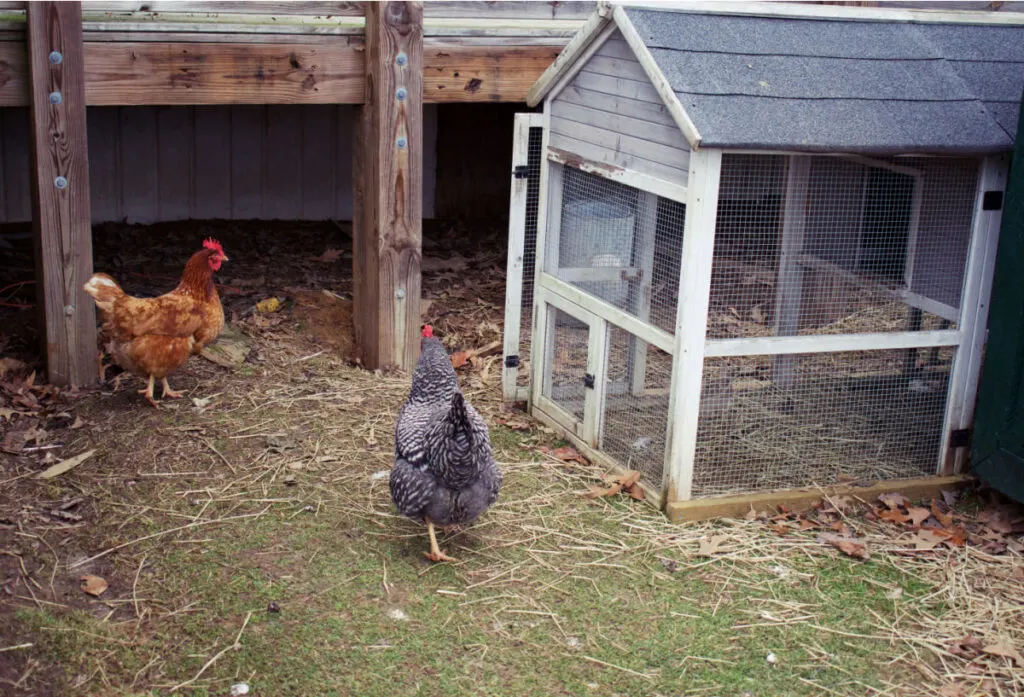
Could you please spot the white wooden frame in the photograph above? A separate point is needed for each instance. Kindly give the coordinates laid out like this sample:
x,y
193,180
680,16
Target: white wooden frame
x,y
516,249
973,320
691,322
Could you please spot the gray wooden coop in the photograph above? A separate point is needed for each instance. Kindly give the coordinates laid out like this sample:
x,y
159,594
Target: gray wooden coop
x,y
760,249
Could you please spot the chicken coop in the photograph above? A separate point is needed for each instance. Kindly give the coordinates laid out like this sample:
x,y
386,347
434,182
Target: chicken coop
x,y
763,243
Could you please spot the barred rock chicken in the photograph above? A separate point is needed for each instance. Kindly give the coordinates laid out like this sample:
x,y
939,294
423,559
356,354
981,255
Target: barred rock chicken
x,y
153,337
444,472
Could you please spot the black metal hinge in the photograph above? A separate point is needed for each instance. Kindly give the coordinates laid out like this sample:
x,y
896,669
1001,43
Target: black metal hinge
x,y
511,361
960,438
992,201
521,172
588,381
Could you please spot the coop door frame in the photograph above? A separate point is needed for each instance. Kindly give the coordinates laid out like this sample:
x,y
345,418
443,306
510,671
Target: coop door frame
x,y
588,429
514,279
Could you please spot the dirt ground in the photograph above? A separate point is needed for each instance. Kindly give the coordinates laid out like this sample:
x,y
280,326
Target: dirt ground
x,y
245,534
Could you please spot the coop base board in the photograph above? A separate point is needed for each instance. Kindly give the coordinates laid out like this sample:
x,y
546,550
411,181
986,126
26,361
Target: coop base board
x,y
652,493
737,506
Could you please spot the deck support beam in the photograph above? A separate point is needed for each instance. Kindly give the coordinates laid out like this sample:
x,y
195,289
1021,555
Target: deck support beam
x,y
60,192
388,180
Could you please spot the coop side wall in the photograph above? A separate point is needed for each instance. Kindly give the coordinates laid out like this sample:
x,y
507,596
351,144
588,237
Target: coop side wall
x,y
156,164
610,114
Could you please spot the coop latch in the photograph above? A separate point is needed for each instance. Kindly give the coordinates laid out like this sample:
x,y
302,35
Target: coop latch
x,y
511,361
588,381
521,172
960,438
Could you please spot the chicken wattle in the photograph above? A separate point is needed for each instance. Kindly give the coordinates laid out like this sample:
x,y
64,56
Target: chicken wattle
x,y
444,473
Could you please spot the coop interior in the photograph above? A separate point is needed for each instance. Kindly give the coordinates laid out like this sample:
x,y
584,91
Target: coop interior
x,y
274,184
810,247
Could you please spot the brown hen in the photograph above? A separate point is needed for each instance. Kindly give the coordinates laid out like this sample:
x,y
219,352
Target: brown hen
x,y
153,337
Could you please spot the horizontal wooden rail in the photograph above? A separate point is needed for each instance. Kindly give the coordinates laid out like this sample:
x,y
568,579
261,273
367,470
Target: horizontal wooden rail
x,y
329,71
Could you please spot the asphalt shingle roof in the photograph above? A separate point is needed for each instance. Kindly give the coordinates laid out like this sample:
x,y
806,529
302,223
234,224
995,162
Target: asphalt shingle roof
x,y
833,85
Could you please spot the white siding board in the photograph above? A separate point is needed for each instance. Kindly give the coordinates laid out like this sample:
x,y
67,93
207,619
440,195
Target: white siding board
x,y
211,179
248,126
622,87
174,163
626,144
140,184
661,134
628,68
596,153
623,106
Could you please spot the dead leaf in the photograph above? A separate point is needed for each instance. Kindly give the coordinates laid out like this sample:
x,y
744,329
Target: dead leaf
x,y
636,492
329,255
565,454
952,690
11,365
893,500
996,520
1004,649
893,515
597,491
751,514
945,519
627,478
79,423
709,547
968,646
93,585
924,540
459,359
65,465
948,496
847,545
918,515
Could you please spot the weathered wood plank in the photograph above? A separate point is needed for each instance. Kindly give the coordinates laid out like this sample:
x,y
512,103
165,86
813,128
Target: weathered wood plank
x,y
630,89
737,506
13,74
326,72
150,73
469,74
644,111
389,189
512,9
60,166
337,9
602,155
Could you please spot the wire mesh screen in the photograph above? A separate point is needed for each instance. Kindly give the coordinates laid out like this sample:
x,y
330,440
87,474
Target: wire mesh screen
x,y
567,363
845,417
635,419
830,245
620,244
529,252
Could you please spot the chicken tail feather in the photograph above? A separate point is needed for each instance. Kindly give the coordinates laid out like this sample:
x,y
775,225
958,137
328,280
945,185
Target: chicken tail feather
x,y
463,426
104,291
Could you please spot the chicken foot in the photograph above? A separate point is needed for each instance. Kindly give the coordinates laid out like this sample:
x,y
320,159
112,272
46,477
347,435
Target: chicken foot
x,y
435,553
168,392
148,392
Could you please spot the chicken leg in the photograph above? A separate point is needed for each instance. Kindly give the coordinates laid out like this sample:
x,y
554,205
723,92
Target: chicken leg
x,y
148,392
435,553
168,392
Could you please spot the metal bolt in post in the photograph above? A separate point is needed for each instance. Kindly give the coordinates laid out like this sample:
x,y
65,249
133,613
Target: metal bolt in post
x,y
55,98
61,182
69,310
401,142
56,57
401,59
401,93
400,293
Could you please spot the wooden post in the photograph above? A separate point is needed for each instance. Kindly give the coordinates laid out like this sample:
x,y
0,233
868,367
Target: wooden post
x,y
60,187
790,285
388,178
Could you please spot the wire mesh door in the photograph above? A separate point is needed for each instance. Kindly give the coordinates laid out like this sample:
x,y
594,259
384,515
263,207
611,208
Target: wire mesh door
x,y
573,367
522,253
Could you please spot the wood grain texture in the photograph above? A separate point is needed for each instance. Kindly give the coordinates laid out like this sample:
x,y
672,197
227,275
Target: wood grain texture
x,y
157,73
389,188
483,74
61,217
13,74
336,9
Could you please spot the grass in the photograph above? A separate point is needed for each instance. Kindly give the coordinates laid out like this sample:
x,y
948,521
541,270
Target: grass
x,y
552,594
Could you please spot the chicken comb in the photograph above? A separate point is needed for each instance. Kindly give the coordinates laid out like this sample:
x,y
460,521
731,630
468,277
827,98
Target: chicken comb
x,y
428,331
213,244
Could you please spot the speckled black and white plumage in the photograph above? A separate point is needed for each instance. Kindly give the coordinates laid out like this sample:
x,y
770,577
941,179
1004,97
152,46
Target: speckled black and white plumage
x,y
443,468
